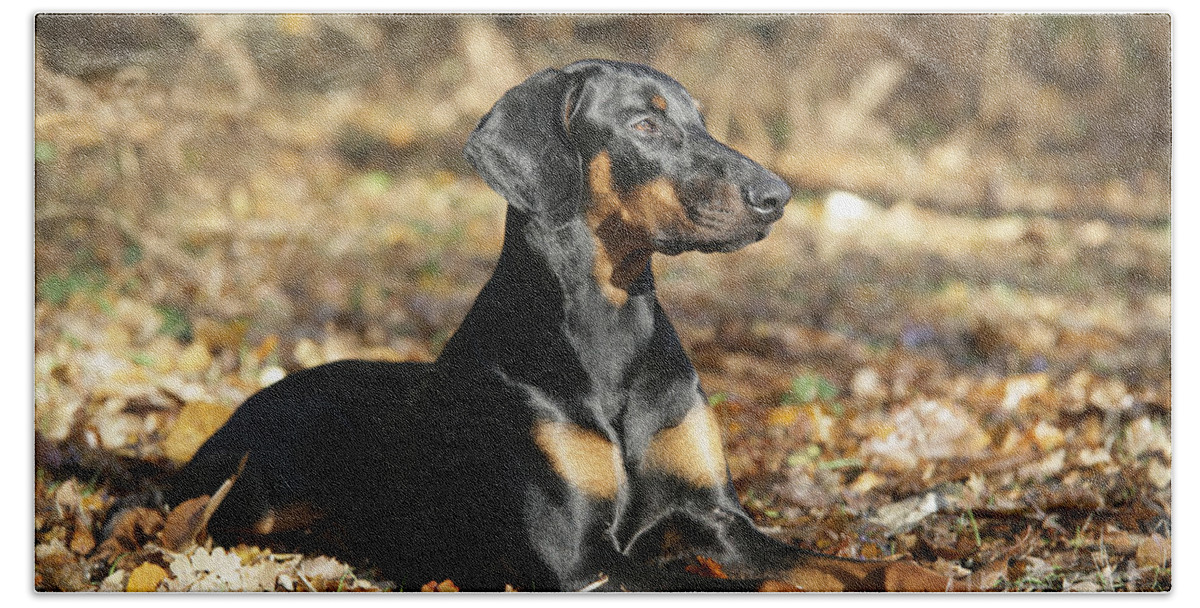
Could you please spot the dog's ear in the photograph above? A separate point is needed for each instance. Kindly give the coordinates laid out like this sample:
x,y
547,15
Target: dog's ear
x,y
521,148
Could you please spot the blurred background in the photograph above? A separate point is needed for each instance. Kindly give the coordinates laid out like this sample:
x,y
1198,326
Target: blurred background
x,y
972,285
1000,184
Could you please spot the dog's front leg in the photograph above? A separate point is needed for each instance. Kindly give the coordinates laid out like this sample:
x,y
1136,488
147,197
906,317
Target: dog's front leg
x,y
750,551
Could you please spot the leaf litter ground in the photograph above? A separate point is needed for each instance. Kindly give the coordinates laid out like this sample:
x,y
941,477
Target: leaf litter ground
x,y
988,396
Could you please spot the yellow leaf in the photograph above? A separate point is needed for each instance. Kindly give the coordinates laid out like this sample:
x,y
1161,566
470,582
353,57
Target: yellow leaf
x,y
194,358
783,415
197,421
145,577
268,346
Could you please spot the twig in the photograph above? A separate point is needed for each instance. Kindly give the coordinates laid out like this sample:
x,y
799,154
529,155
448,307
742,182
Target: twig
x,y
595,584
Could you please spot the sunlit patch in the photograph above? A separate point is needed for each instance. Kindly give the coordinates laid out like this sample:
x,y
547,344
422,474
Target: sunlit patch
x,y
844,211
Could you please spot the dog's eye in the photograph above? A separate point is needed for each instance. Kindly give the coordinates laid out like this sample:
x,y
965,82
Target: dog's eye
x,y
647,125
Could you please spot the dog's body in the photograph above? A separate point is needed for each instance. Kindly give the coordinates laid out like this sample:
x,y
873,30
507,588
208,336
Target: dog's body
x,y
561,438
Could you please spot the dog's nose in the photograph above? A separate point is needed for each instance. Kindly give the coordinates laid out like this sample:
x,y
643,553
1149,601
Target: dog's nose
x,y
767,196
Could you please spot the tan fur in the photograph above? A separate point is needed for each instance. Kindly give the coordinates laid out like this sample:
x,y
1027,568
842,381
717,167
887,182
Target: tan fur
x,y
583,458
287,517
623,226
658,102
691,450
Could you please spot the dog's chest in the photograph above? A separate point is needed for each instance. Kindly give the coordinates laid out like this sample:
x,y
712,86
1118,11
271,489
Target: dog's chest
x,y
674,435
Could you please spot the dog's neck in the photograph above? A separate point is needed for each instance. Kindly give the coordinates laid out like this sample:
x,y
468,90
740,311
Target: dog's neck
x,y
551,307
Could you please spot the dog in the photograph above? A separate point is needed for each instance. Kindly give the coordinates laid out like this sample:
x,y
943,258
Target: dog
x,y
561,440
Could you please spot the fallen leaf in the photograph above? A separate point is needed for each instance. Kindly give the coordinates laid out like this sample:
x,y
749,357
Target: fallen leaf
x,y
1154,551
867,385
706,567
267,347
1082,587
131,528
221,335
145,577
774,586
1047,436
194,359
183,524
82,541
446,586
197,421
324,573
866,482
783,415
1159,475
1018,389
115,581
1145,436
1119,542
902,516
67,495
1047,467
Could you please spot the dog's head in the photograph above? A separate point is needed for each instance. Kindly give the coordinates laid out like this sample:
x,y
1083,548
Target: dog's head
x,y
624,146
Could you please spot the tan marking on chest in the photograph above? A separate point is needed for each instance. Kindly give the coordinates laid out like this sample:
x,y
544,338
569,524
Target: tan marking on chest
x,y
582,458
691,450
623,225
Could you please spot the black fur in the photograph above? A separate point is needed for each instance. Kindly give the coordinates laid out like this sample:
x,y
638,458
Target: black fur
x,y
431,471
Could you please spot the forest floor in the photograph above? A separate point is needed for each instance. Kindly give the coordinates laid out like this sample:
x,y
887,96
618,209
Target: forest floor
x,y
983,394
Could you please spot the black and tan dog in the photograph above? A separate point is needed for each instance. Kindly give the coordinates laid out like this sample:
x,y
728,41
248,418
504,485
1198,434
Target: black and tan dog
x,y
562,437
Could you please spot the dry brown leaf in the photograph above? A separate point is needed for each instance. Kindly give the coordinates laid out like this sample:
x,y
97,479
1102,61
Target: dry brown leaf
x,y
707,567
1047,436
446,586
131,528
1119,542
774,586
907,576
1154,551
82,541
183,524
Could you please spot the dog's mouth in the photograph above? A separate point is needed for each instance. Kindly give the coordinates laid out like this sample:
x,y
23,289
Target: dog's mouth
x,y
728,244
718,220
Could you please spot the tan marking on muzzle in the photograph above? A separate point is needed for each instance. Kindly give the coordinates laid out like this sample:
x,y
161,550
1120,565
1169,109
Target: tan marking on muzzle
x,y
582,458
623,226
691,450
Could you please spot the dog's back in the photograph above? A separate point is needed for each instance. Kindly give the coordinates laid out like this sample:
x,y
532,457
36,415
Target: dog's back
x,y
310,439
